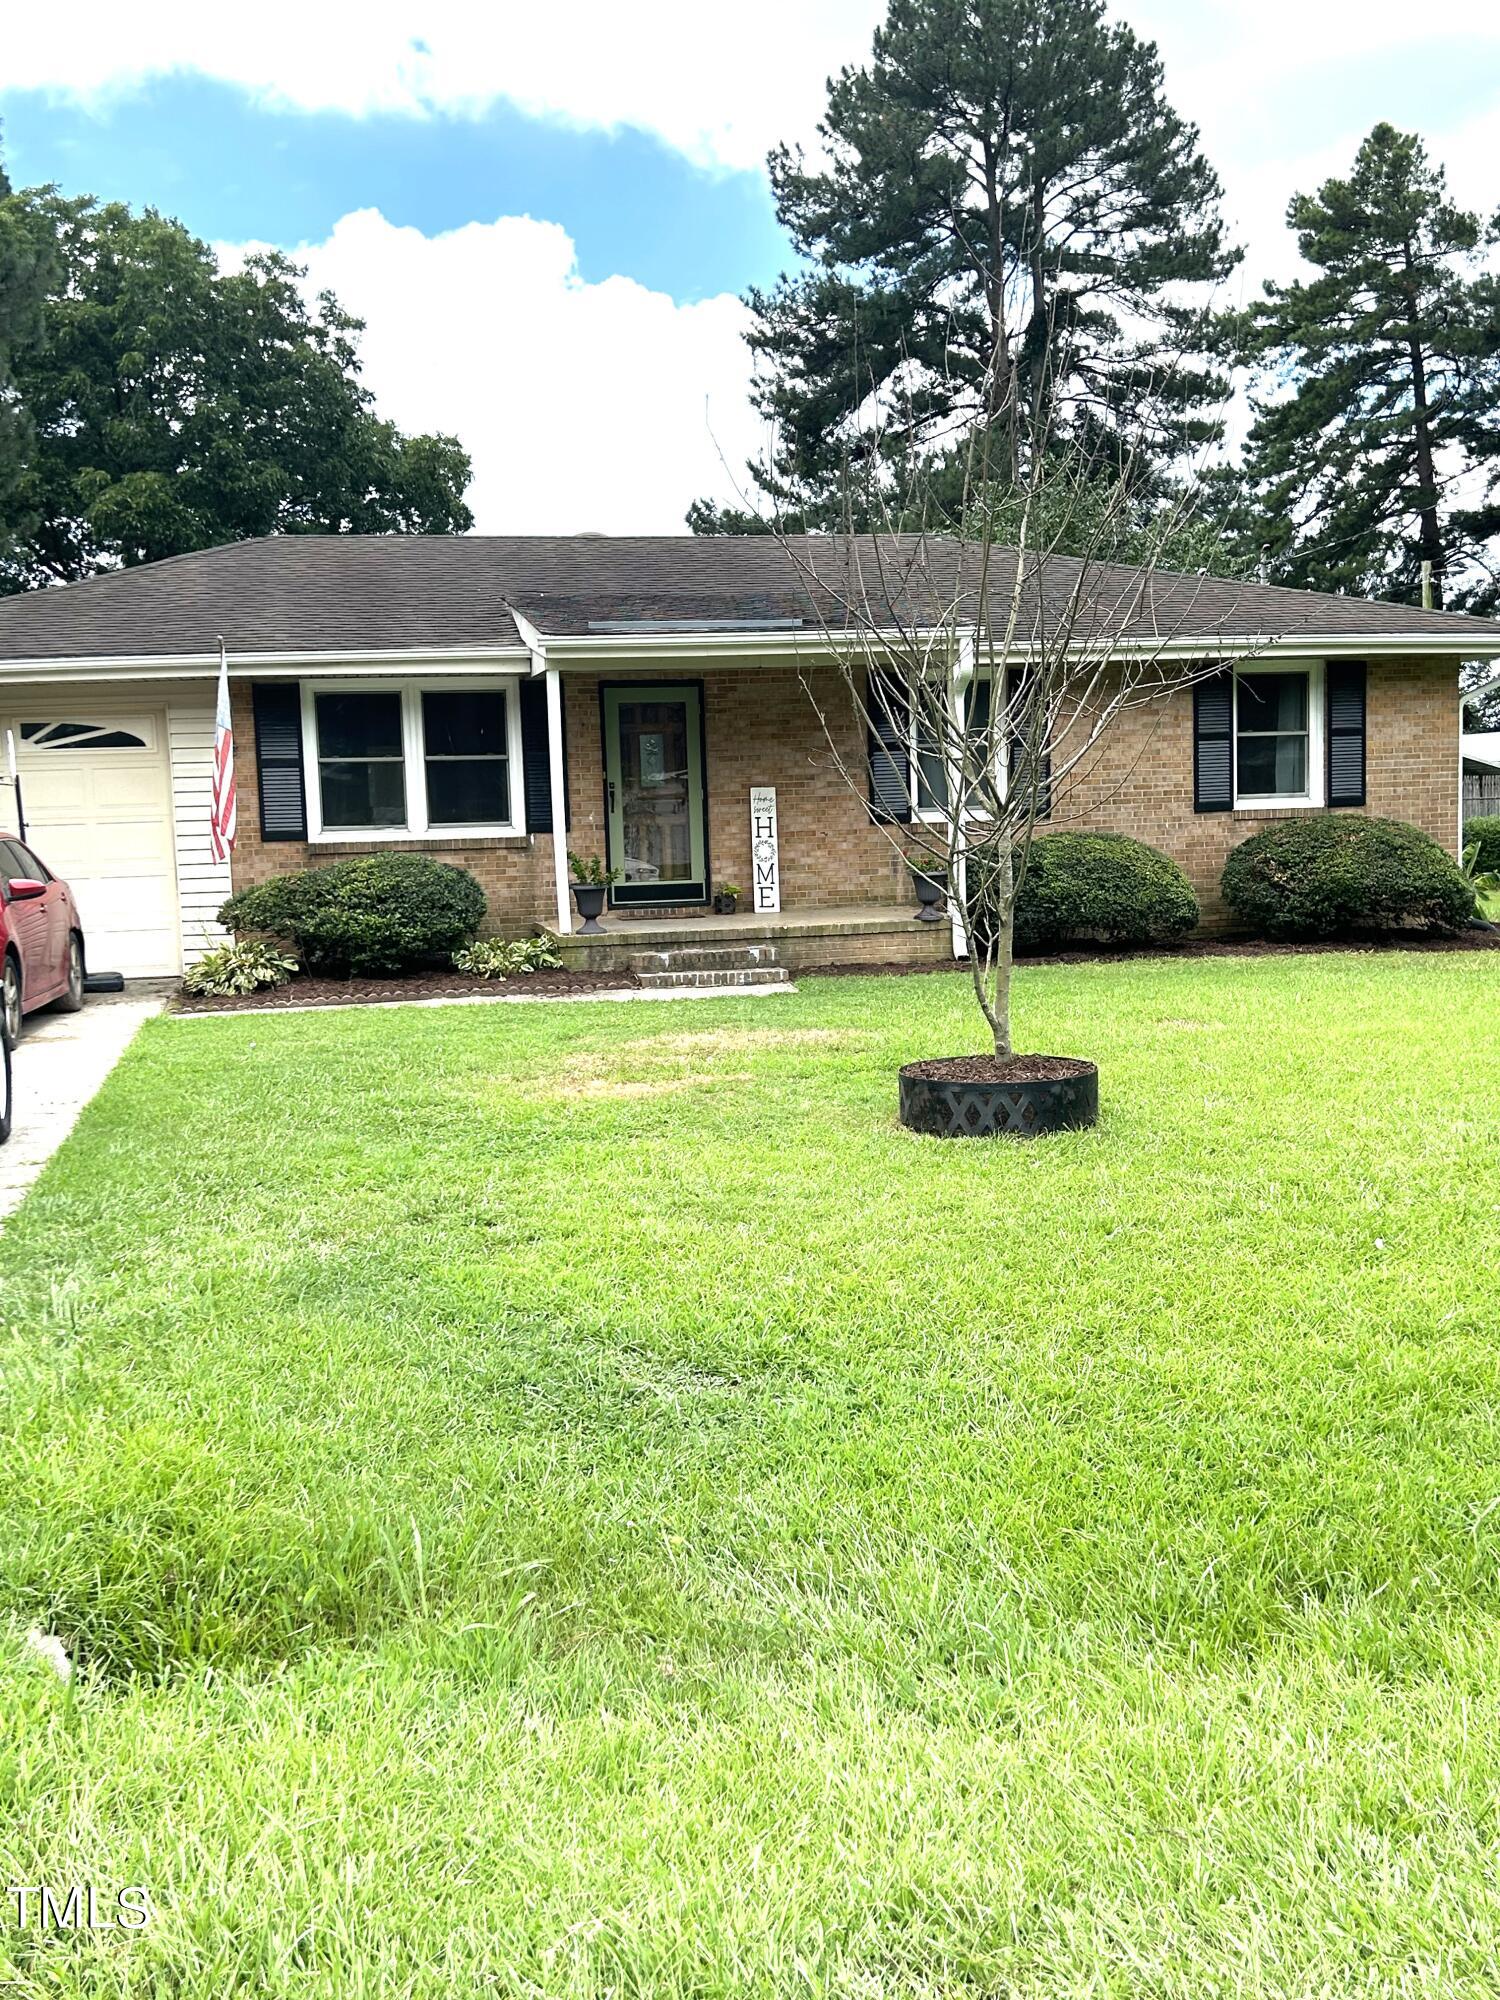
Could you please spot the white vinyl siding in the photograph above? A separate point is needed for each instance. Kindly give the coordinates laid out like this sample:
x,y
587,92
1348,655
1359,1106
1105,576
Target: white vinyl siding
x,y
202,882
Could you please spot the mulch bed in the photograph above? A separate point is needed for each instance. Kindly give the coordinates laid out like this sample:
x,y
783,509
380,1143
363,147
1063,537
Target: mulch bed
x,y
313,992
999,1069
1191,948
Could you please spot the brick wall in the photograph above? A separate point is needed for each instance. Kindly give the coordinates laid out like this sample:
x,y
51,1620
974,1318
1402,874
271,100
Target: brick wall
x,y
762,728
1141,780
516,874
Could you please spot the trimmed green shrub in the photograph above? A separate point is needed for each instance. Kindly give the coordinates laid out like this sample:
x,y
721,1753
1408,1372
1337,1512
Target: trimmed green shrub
x,y
243,966
1483,831
376,913
1091,888
1342,875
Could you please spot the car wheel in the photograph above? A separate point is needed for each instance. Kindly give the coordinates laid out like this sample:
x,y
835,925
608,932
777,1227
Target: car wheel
x,y
72,1000
5,1090
10,1001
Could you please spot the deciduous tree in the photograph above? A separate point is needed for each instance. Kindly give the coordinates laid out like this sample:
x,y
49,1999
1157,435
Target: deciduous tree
x,y
175,406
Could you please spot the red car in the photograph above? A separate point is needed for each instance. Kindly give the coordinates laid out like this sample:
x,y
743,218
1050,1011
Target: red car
x,y
41,937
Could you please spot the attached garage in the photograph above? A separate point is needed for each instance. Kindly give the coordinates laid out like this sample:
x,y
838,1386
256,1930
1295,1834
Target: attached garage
x,y
96,789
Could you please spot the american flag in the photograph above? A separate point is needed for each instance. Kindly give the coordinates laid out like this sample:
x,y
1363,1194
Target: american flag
x,y
222,815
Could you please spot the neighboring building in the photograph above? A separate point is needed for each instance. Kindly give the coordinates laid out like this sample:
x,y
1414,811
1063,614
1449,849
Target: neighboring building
x,y
1481,772
463,695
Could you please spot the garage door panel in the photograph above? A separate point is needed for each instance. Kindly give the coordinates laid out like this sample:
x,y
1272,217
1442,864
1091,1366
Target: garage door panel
x,y
135,847
126,787
55,792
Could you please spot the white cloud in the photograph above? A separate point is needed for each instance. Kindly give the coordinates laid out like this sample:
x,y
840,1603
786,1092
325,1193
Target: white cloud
x,y
584,406
1237,70
719,83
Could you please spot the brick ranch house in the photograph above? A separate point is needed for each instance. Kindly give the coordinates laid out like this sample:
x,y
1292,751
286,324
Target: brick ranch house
x,y
464,696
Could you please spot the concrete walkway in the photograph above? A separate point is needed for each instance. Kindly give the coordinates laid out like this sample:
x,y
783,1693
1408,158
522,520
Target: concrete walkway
x,y
61,1062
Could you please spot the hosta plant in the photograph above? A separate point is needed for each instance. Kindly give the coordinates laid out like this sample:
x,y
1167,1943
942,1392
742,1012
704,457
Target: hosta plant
x,y
240,967
498,958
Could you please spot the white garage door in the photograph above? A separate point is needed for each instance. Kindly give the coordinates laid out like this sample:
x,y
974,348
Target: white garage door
x,y
99,813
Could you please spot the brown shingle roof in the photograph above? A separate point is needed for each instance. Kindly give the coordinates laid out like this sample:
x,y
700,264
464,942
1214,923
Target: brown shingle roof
x,y
364,593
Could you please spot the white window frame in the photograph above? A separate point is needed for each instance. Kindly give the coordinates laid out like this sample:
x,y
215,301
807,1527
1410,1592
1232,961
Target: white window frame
x,y
1317,776
414,763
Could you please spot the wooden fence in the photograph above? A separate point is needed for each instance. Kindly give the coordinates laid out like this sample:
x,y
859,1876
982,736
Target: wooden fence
x,y
1481,794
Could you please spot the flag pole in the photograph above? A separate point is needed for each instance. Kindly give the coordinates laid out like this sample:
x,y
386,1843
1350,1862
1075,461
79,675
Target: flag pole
x,y
15,782
222,818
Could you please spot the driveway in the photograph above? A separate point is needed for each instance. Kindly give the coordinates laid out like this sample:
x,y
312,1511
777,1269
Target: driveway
x,y
61,1062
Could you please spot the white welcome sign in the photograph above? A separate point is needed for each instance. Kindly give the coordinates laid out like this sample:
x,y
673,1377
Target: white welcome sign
x,y
765,849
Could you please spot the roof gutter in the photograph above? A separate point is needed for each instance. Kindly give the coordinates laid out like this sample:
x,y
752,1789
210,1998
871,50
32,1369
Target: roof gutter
x,y
268,666
581,651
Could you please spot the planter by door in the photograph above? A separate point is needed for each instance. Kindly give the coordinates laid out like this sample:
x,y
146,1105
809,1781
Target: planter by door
x,y
979,1097
931,889
589,896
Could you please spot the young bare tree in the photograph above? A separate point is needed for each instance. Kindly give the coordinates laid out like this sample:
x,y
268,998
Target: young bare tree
x,y
991,669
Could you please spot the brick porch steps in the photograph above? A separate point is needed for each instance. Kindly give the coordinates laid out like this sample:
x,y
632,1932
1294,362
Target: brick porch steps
x,y
706,965
704,958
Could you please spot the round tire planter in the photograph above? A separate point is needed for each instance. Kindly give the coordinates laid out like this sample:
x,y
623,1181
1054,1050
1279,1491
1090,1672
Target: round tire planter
x,y
982,1097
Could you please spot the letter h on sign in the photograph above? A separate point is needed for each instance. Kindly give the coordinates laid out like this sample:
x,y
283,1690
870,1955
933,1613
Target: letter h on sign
x,y
765,850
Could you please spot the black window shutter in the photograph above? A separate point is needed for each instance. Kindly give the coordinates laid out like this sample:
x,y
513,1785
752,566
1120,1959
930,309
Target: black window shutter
x,y
1346,732
536,757
890,757
277,706
1014,678
1213,743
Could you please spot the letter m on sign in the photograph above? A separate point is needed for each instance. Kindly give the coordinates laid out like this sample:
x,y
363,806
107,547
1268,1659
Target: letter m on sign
x,y
765,849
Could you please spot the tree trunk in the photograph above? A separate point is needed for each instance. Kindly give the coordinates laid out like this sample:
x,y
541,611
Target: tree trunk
x,y
1430,529
1005,949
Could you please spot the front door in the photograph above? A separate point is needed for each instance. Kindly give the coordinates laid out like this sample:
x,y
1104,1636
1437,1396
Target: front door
x,y
653,776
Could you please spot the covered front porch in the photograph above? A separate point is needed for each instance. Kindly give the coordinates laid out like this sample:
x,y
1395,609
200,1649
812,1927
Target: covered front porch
x,y
686,767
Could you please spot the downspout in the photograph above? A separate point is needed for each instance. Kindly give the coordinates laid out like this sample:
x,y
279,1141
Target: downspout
x,y
556,783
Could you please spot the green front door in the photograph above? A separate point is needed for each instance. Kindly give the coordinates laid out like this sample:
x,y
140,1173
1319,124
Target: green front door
x,y
653,782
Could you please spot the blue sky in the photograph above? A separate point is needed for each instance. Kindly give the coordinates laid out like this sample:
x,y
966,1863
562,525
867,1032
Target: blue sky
x,y
547,215
232,168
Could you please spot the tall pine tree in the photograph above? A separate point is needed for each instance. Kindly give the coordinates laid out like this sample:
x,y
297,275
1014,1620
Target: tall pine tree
x,y
1011,228
1391,355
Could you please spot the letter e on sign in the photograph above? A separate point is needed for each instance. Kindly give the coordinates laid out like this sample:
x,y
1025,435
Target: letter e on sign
x,y
765,849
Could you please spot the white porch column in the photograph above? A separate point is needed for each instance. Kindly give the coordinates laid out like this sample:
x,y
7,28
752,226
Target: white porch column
x,y
559,801
962,683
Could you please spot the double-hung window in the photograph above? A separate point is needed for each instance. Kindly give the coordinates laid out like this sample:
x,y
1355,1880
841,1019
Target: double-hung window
x,y
413,759
1277,733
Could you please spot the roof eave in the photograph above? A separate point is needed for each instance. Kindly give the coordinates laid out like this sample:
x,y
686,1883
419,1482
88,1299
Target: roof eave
x,y
273,666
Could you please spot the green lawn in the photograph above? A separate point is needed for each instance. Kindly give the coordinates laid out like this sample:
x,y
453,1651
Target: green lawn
x,y
573,1500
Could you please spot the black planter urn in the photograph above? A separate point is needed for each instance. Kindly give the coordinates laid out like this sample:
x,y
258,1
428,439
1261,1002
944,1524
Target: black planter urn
x,y
954,1100
932,891
589,896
